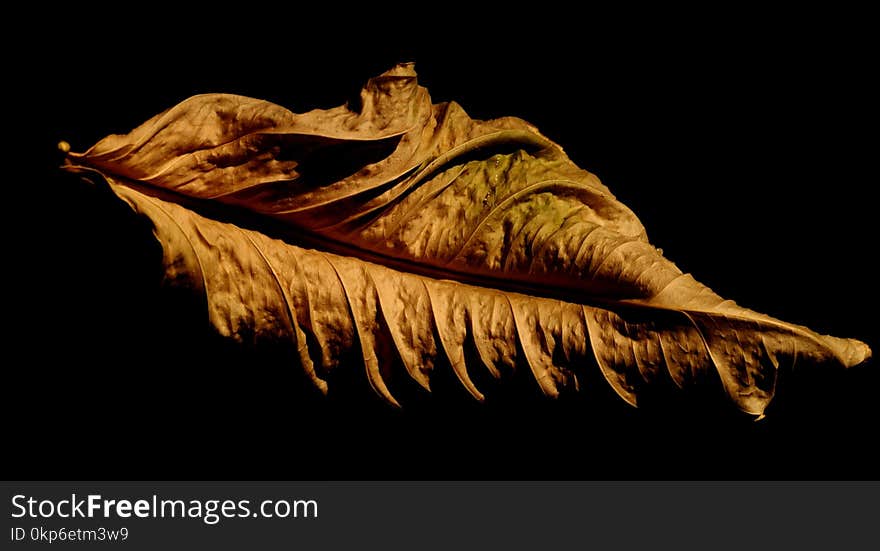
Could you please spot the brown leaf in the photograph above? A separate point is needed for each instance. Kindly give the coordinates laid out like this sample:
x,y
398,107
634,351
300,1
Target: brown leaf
x,y
439,236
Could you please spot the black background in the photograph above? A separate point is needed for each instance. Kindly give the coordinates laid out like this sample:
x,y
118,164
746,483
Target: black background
x,y
741,140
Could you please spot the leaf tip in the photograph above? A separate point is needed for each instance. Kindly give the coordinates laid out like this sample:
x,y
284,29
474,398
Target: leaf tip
x,y
859,353
850,352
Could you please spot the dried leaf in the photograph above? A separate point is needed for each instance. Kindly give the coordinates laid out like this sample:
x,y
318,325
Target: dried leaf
x,y
437,237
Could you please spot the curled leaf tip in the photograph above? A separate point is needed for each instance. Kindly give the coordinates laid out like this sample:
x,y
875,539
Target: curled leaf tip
x,y
860,353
